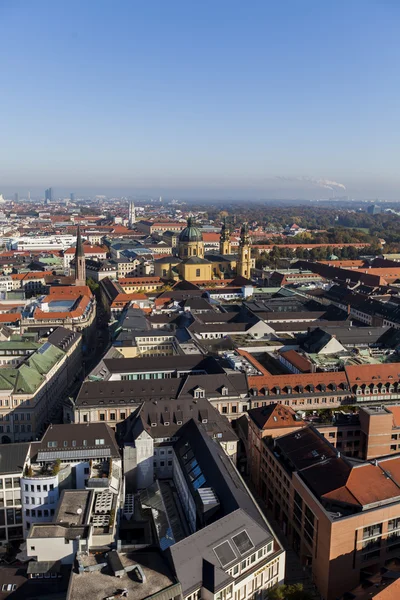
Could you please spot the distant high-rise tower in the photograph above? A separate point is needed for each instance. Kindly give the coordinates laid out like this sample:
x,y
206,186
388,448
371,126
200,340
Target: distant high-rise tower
x,y
48,195
72,197
244,262
132,215
80,265
29,196
16,197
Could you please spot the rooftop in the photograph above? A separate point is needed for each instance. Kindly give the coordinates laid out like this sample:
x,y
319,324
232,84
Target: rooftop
x,y
102,583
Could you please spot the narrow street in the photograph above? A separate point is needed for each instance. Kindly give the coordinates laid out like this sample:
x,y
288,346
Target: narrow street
x,y
294,571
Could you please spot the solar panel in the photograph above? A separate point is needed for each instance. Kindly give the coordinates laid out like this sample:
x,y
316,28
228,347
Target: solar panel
x,y
242,542
225,554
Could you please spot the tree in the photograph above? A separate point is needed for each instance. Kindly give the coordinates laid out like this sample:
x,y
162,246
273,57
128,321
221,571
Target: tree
x,y
294,591
93,286
56,467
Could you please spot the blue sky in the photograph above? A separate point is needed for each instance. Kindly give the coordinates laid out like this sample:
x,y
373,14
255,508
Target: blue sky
x,y
221,98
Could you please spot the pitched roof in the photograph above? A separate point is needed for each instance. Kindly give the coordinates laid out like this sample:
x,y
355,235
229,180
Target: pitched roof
x,y
274,416
12,457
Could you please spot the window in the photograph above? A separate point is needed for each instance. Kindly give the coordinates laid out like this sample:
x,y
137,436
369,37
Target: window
x,y
112,416
52,444
102,417
197,272
45,487
99,442
32,548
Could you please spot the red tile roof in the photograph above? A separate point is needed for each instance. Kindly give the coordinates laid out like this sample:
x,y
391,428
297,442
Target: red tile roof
x,y
373,374
297,360
9,317
274,416
72,291
88,249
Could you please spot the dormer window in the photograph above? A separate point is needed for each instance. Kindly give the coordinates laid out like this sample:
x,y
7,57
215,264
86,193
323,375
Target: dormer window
x,y
166,423
224,390
199,393
179,422
154,424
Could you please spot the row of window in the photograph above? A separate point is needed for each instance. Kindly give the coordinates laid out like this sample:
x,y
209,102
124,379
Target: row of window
x,y
39,513
66,444
10,483
39,501
39,487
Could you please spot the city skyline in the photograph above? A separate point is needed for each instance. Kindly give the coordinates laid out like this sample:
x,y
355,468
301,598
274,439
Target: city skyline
x,y
214,101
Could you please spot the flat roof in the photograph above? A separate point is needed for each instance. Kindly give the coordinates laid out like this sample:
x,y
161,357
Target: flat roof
x,y
101,584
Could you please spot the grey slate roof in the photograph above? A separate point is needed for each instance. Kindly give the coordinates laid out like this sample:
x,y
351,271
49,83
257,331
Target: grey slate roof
x,y
190,554
98,393
65,435
63,338
12,457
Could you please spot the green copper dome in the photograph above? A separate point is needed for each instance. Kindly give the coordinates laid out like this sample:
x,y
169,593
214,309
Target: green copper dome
x,y
191,233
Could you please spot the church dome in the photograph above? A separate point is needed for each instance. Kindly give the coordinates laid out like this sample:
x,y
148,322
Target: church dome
x,y
191,233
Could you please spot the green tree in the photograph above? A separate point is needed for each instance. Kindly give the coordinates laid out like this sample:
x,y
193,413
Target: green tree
x,y
93,286
294,591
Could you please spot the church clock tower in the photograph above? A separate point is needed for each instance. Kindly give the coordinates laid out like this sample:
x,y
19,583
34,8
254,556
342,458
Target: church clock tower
x,y
244,262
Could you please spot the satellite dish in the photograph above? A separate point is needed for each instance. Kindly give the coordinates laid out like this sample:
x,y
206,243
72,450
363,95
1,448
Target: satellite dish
x,y
79,511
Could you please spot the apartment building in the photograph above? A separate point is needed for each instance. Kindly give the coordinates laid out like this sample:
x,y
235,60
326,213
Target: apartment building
x,y
79,457
143,284
30,393
149,434
70,307
356,384
372,432
98,253
13,458
37,242
113,401
340,515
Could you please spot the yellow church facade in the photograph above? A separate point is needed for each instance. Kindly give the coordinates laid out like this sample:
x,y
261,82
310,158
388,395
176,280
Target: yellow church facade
x,y
192,264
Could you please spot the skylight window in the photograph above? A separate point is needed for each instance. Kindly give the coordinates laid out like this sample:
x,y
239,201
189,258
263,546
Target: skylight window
x,y
225,554
243,542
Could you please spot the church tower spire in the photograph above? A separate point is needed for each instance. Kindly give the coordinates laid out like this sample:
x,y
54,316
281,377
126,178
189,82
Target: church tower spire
x,y
80,265
244,262
224,240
